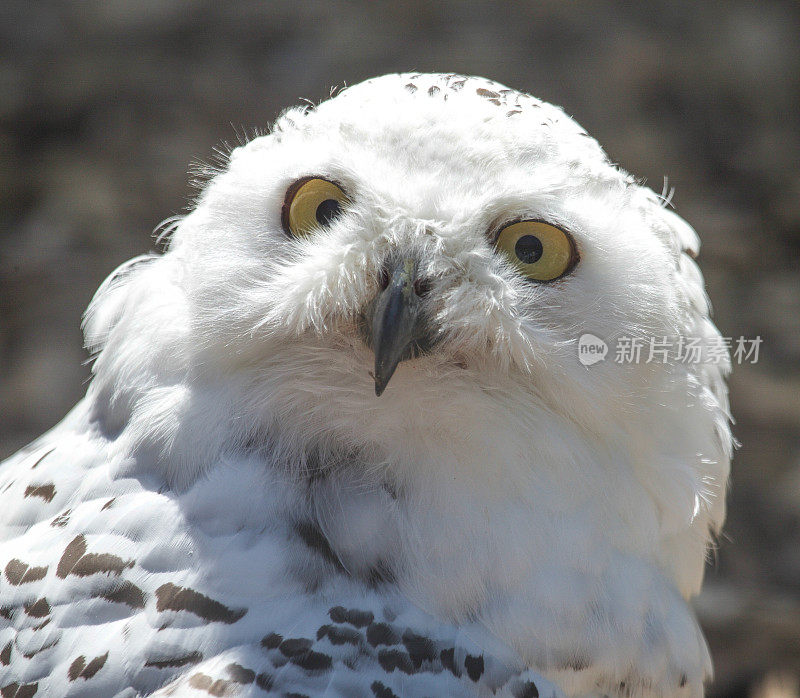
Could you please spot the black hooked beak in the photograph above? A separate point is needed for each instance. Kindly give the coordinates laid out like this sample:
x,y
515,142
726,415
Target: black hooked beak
x,y
398,326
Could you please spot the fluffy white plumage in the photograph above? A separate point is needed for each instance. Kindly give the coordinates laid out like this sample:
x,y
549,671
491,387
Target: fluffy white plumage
x,y
232,511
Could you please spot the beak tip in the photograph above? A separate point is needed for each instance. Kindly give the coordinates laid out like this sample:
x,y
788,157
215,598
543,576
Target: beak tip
x,y
395,321
381,381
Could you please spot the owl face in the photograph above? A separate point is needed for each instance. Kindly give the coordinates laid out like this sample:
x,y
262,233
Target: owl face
x,y
396,281
445,233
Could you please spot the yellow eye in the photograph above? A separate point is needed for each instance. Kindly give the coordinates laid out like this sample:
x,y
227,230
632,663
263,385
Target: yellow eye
x,y
310,203
537,250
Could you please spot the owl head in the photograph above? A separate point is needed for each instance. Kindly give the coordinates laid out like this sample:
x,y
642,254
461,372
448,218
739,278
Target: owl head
x,y
406,269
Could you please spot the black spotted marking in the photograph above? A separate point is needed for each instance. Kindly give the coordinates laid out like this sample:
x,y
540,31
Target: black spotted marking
x,y
361,619
5,654
240,674
200,681
264,681
46,492
126,592
684,680
483,92
420,649
271,641
79,669
339,636
62,519
94,666
496,102
457,85
381,634
17,573
75,560
75,549
433,90
448,659
37,463
203,682
527,690
173,662
513,111
395,659
170,597
100,563
474,666
6,612
38,609
19,690
411,87
312,661
294,646
296,695
313,537
380,690
108,504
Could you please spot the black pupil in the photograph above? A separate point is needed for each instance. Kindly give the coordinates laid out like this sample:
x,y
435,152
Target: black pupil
x,y
327,211
528,249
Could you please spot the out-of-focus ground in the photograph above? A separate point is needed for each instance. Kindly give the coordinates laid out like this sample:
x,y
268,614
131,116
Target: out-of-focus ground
x,y
103,104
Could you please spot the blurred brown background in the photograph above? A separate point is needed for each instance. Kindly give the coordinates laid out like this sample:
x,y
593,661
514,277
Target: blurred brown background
x,y
103,105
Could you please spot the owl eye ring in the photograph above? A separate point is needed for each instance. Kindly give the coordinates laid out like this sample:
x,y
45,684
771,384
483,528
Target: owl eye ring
x,y
311,203
537,250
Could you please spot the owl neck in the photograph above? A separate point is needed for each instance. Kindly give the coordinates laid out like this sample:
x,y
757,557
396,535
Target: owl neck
x,y
459,461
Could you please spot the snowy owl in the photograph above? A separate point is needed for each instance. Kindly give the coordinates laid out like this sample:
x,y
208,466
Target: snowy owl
x,y
339,439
